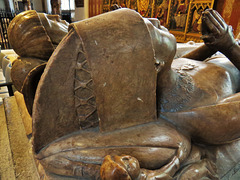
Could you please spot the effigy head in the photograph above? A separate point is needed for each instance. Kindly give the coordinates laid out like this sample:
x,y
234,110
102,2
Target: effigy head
x,y
34,36
108,78
31,34
55,27
104,87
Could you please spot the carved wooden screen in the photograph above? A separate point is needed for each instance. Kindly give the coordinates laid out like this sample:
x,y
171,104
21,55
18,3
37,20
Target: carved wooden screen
x,y
95,7
184,20
144,7
182,17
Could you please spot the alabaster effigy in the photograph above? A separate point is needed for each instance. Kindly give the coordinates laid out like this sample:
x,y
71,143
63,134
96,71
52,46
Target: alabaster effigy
x,y
33,36
120,107
112,103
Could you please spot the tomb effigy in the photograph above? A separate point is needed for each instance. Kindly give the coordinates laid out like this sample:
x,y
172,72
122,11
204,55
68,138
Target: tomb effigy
x,y
33,36
113,104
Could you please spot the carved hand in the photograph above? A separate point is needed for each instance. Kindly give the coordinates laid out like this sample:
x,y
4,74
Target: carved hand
x,y
216,34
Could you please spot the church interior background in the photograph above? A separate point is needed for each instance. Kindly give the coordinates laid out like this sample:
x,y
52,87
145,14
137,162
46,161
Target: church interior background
x,y
181,17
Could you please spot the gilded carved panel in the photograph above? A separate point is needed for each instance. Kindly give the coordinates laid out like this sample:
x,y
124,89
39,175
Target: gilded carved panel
x,y
181,17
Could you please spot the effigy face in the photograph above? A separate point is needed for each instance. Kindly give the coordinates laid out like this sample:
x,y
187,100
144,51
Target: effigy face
x,y
163,42
55,27
119,107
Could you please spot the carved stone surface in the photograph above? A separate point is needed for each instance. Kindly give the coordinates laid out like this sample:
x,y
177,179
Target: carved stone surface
x,y
85,101
21,68
33,37
113,104
33,34
28,41
115,77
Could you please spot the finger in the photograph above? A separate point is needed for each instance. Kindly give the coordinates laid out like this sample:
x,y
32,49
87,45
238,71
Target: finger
x,y
214,21
210,26
204,28
220,19
217,16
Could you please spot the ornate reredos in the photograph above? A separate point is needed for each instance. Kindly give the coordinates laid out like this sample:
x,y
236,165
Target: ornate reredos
x,y
103,71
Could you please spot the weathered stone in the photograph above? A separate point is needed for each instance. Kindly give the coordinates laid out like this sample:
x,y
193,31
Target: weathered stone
x,y
21,149
6,161
27,120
